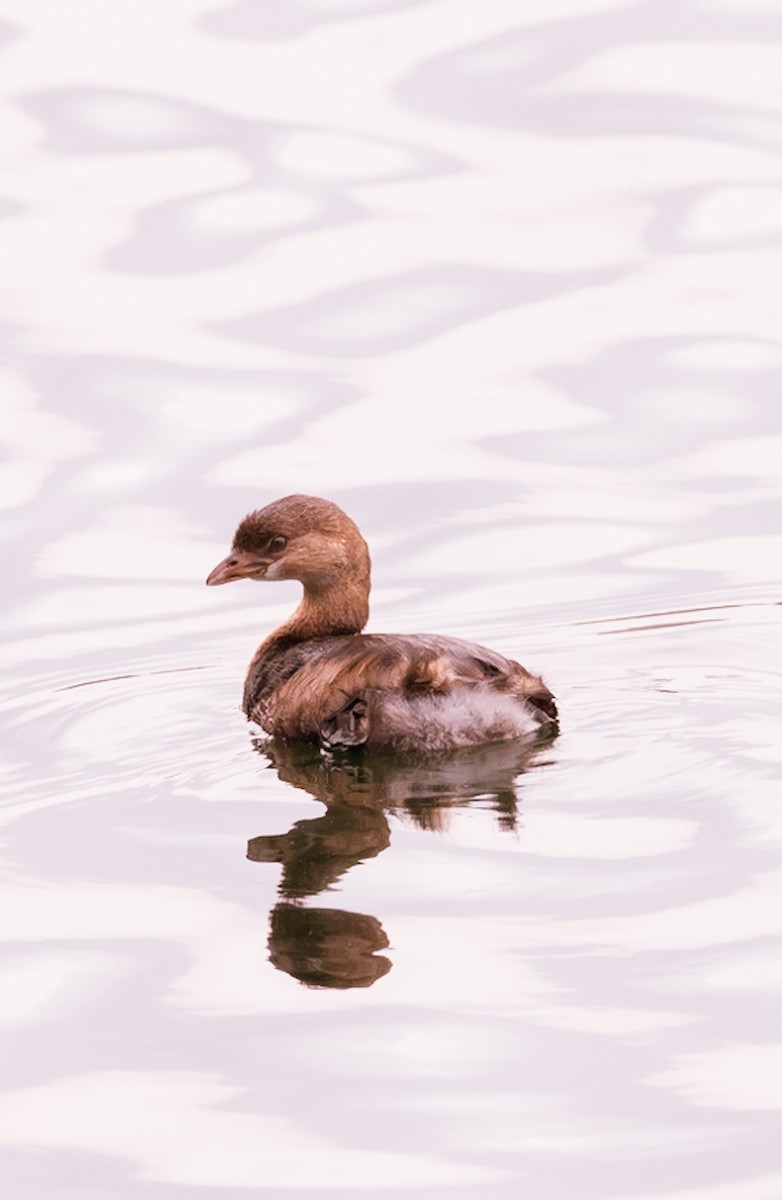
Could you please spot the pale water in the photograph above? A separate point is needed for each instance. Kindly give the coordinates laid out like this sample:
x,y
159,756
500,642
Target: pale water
x,y
502,279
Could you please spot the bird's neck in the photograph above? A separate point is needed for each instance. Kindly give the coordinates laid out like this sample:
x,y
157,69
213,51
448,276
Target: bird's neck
x,y
327,609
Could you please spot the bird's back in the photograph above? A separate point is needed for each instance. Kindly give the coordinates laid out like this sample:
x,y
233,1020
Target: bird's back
x,y
395,691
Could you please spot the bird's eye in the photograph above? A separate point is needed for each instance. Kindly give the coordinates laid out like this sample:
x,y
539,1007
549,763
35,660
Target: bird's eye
x,y
278,543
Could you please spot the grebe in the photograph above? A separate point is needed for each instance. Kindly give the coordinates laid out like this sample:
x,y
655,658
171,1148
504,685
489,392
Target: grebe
x,y
319,678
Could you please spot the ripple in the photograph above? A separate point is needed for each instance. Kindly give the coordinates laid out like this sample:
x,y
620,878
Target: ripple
x,y
339,156
142,730
247,20
738,1077
116,1113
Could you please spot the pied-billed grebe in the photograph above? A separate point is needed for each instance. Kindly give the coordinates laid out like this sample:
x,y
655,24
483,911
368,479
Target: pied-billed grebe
x,y
318,678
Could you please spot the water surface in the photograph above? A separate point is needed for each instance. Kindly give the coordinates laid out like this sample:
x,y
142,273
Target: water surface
x,y
502,283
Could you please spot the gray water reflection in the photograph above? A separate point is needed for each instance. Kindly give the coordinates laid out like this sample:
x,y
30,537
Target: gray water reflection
x,y
279,193
504,81
251,19
391,313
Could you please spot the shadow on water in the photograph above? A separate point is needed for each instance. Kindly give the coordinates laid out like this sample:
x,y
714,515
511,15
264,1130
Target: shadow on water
x,y
327,947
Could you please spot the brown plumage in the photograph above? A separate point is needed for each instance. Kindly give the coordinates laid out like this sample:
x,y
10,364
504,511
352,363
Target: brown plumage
x,y
318,678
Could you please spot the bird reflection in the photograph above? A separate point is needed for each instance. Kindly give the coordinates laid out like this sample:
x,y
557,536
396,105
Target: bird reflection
x,y
316,853
327,947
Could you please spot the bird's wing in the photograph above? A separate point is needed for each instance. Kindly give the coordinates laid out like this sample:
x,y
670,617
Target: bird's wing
x,y
340,670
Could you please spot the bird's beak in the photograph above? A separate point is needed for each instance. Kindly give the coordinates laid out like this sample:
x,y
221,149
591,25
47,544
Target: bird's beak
x,y
238,565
